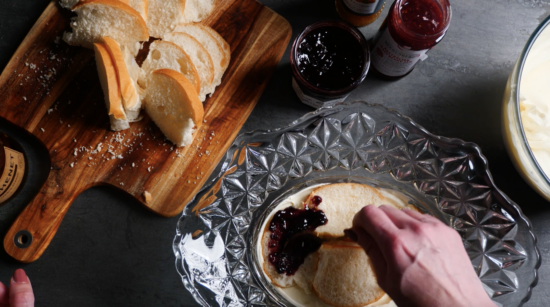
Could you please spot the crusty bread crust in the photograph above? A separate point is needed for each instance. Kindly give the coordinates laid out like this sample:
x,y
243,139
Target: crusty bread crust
x,y
113,93
189,90
223,43
208,71
129,93
194,75
144,34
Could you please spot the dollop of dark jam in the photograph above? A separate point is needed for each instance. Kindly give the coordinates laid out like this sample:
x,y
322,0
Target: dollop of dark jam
x,y
292,238
330,58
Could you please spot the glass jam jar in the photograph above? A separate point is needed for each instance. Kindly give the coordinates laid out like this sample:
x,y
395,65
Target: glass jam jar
x,y
411,29
360,12
329,59
12,168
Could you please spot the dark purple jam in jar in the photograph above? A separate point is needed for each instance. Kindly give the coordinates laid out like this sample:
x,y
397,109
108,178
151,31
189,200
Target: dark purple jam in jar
x,y
329,60
292,239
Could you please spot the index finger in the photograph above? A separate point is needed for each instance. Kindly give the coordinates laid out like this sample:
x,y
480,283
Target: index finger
x,y
377,224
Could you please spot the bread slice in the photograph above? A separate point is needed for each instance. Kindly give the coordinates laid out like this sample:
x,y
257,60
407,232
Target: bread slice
x,y
199,56
99,18
197,10
172,103
163,54
214,49
345,277
69,4
164,15
140,6
128,87
111,90
341,202
223,43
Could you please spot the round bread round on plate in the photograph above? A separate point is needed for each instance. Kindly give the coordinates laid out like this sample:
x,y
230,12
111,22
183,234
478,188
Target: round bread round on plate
x,y
345,277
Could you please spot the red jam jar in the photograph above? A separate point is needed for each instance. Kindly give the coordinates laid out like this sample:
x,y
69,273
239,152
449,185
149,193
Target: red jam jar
x,y
329,59
410,30
360,13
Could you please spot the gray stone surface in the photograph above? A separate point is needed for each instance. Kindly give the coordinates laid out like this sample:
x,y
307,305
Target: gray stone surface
x,y
109,251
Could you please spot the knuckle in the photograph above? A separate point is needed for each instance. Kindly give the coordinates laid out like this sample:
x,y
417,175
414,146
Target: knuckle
x,y
395,241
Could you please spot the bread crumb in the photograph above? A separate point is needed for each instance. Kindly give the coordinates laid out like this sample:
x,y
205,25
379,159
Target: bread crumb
x,y
148,197
42,129
72,164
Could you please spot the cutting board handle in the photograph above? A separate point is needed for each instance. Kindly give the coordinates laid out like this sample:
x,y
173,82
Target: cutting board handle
x,y
33,230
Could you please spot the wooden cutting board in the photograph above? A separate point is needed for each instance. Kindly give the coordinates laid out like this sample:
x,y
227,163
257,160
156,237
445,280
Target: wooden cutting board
x,y
52,90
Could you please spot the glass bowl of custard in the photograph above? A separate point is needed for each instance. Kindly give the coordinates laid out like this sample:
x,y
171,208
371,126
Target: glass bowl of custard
x,y
526,112
329,60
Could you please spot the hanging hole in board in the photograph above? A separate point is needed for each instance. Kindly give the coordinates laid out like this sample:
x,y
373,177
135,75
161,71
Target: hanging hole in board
x,y
23,239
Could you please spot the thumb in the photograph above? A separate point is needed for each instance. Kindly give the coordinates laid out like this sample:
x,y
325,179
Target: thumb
x,y
21,294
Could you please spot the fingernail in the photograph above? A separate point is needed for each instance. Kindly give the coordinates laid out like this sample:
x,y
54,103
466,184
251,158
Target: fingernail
x,y
351,235
20,277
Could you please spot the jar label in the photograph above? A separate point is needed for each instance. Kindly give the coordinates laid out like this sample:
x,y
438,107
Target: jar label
x,y
11,178
314,102
363,7
392,59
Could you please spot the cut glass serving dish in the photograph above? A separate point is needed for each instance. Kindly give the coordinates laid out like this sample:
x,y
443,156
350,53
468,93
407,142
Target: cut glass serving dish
x,y
351,142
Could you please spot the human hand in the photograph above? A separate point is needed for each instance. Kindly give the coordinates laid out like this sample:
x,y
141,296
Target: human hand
x,y
419,261
19,293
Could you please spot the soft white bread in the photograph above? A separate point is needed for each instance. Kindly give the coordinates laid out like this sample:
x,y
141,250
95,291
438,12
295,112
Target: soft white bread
x,y
345,277
164,15
303,277
128,87
109,84
163,54
172,103
69,4
199,56
223,43
140,6
341,202
214,49
99,18
197,10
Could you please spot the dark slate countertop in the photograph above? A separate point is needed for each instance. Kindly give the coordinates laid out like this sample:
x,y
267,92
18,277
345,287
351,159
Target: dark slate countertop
x,y
110,251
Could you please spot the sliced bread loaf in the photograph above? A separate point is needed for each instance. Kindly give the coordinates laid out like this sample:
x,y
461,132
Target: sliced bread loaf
x,y
341,202
223,43
197,10
199,56
164,15
69,4
172,103
99,18
345,277
214,49
163,54
140,6
109,85
128,87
